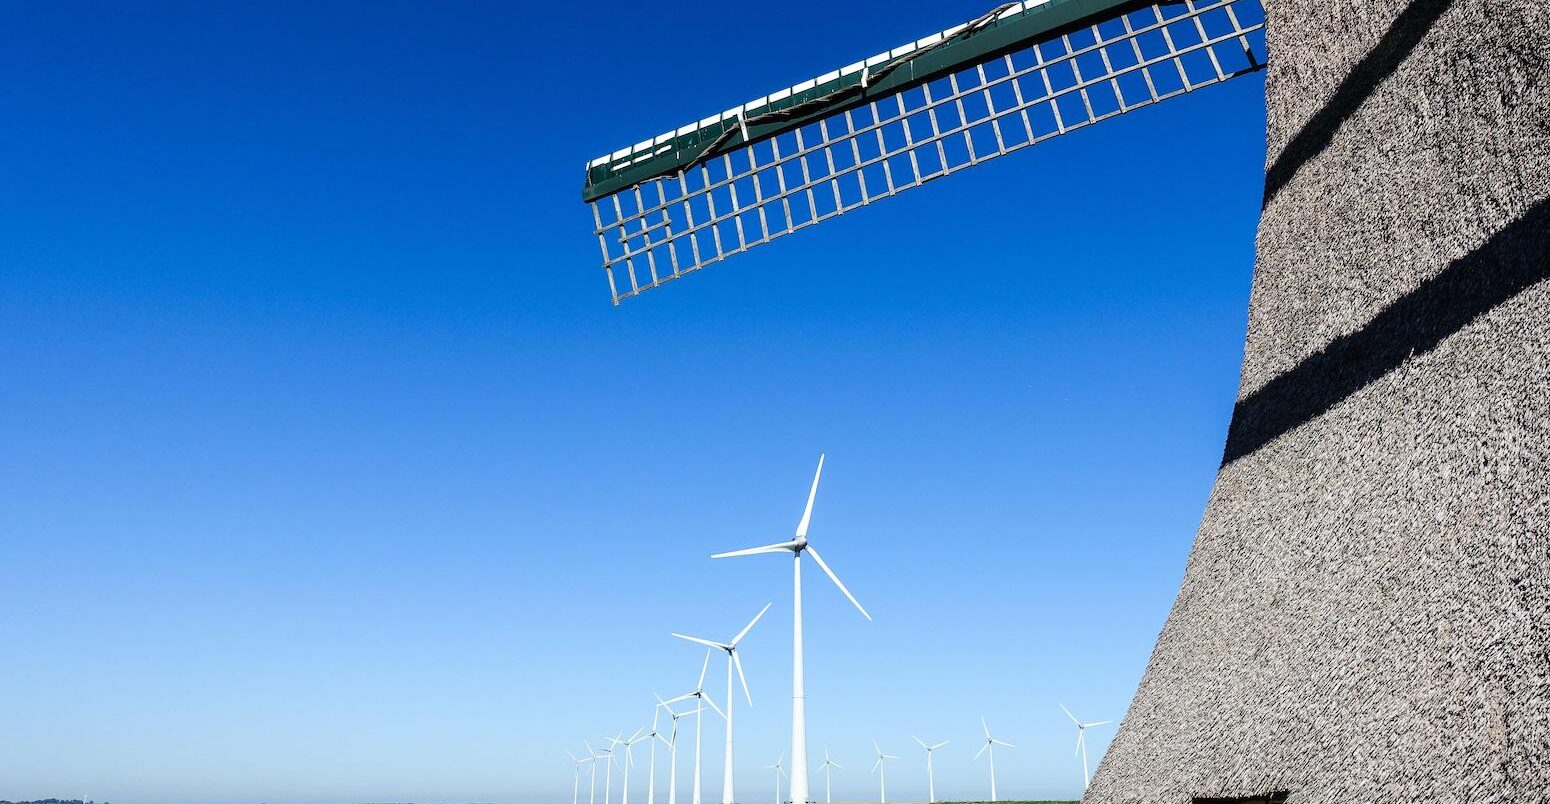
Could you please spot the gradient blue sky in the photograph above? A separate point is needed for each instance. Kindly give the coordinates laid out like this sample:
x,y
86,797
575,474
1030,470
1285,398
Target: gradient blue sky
x,y
328,474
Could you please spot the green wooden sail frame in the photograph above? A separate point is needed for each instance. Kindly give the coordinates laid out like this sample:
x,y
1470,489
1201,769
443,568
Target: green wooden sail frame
x,y
1020,74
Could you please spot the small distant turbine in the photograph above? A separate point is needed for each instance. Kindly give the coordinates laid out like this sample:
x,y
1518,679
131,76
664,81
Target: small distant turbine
x,y
1081,740
608,772
827,769
629,760
672,745
575,787
930,772
779,772
698,694
733,661
990,745
593,757
653,736
882,773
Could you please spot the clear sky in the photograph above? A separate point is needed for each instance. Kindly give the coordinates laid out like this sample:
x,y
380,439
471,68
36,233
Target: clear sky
x,y
328,474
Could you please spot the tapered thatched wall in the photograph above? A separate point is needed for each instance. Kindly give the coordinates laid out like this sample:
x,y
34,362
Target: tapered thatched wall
x,y
1366,614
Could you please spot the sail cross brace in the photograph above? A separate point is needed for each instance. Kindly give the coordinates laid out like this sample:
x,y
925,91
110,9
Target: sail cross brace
x,y
969,94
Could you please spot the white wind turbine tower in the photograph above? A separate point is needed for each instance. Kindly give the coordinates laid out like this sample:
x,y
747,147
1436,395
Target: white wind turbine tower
x,y
732,662
990,745
1081,740
882,773
827,768
672,745
779,772
698,694
930,772
575,788
797,546
629,760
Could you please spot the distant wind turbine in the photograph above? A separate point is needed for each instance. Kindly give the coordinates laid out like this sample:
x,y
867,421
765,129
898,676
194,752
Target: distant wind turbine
x,y
672,745
629,760
930,772
698,694
652,737
593,757
575,788
779,772
797,546
1081,740
882,773
990,745
733,661
827,768
608,772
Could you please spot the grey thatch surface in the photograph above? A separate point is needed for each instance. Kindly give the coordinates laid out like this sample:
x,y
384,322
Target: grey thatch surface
x,y
1366,613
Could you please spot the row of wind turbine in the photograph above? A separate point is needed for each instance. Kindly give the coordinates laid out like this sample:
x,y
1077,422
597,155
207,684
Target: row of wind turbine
x,y
799,787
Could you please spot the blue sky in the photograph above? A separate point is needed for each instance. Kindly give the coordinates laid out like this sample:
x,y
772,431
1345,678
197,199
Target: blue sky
x,y
329,474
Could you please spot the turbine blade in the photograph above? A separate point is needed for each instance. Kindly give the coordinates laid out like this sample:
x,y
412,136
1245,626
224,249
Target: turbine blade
x,y
1068,713
985,727
700,685
982,750
807,513
940,744
738,663
704,642
922,742
684,697
1078,751
713,705
876,747
768,548
875,766
836,579
749,626
1099,723
1008,745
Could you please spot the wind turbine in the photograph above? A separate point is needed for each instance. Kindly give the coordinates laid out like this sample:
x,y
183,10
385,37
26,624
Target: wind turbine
x,y
732,661
990,745
629,760
930,772
882,776
827,768
575,788
1081,740
608,772
797,546
779,772
672,744
592,756
698,694
653,736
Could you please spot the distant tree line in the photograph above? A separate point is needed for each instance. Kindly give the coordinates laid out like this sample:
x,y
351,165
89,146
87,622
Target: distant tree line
x,y
54,801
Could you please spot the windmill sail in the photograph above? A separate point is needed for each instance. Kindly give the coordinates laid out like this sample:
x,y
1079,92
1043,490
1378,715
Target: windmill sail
x,y
1018,75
